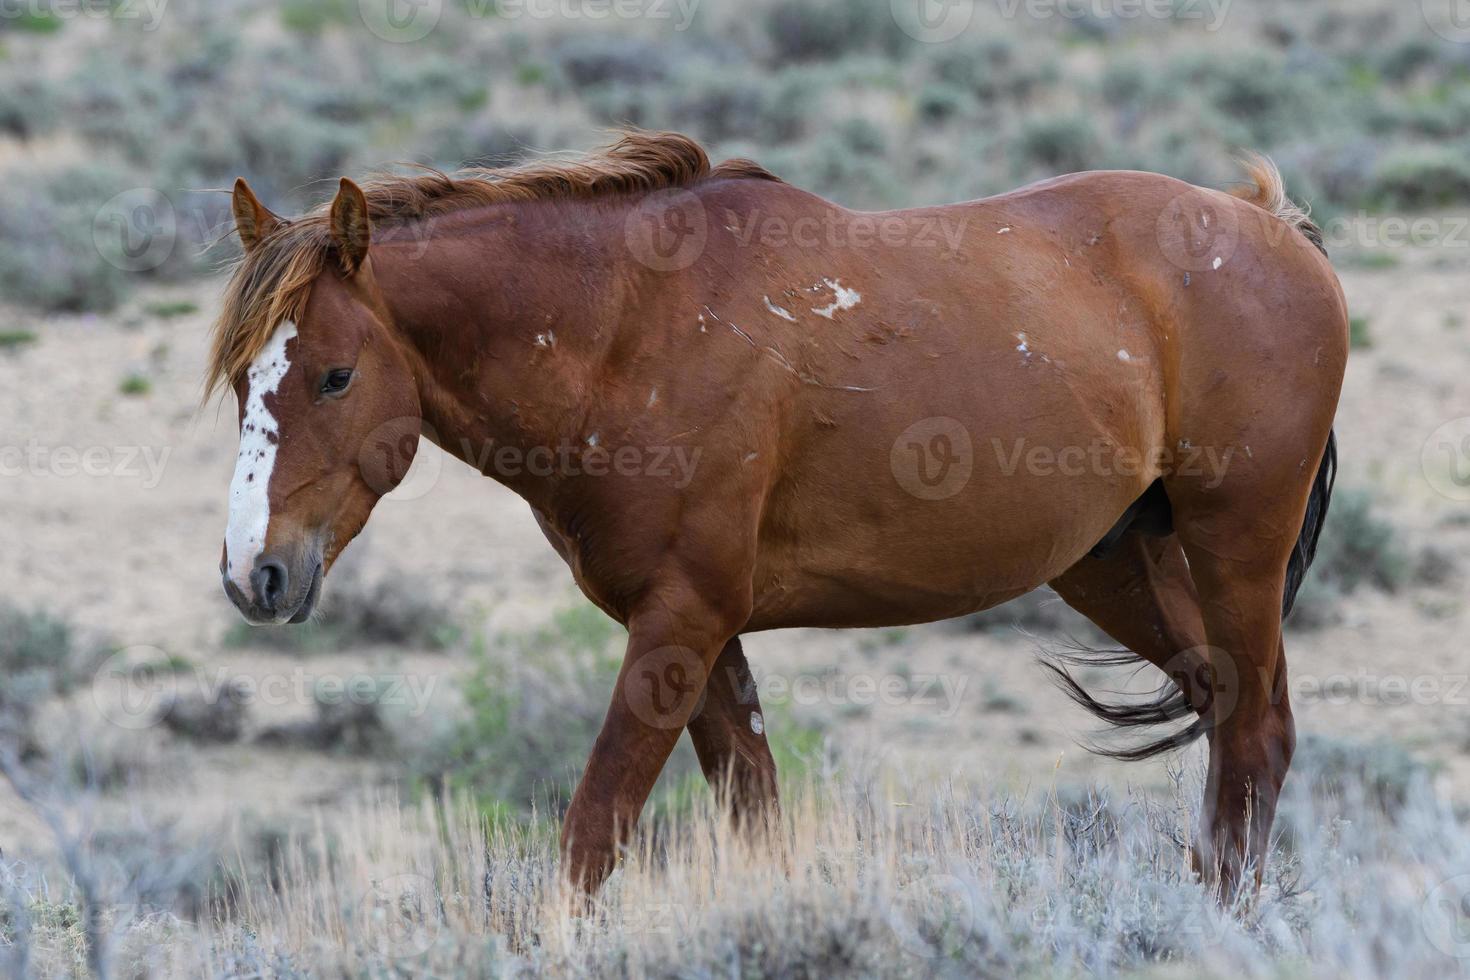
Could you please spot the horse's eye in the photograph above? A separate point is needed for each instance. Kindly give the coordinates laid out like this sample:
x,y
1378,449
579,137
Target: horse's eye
x,y
336,382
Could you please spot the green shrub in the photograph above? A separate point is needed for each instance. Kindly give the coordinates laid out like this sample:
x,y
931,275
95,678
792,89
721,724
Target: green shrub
x,y
534,703
588,60
939,102
168,309
824,30
1359,336
1425,176
1057,144
1382,771
40,658
135,385
50,259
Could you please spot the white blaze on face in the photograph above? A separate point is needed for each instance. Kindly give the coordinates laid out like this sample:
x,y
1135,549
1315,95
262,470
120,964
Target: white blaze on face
x,y
250,506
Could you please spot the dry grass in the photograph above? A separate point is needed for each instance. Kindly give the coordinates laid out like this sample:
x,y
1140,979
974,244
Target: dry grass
x,y
870,877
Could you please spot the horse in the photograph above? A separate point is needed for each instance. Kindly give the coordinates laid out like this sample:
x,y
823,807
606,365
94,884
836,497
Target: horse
x,y
1115,383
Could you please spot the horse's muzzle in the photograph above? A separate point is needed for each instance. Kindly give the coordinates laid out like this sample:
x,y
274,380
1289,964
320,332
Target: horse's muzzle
x,y
278,593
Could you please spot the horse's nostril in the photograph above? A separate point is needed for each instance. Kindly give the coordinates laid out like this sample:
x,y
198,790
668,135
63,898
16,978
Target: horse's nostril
x,y
270,581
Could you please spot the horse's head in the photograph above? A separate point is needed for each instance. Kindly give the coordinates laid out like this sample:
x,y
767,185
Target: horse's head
x,y
329,408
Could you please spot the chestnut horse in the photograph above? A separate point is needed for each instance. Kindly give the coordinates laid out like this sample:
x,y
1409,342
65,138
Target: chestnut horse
x,y
733,406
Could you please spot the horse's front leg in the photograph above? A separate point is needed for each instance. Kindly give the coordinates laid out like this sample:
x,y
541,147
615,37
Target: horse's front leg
x,y
729,736
674,640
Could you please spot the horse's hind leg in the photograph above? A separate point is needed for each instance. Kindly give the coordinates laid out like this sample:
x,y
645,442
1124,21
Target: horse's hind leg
x,y
1239,539
1144,595
729,737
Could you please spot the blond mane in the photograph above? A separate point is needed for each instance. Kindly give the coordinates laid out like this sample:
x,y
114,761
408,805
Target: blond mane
x,y
271,282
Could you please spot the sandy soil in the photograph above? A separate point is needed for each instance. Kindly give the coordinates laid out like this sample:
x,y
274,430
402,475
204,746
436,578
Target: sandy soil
x,y
131,555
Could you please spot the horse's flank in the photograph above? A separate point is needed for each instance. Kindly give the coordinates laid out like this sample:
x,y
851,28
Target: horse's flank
x,y
270,283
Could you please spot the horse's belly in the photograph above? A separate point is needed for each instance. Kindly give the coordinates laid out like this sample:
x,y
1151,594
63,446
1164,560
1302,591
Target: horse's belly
x,y
856,573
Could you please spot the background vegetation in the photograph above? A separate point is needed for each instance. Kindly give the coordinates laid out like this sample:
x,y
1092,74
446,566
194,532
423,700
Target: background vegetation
x,y
1358,102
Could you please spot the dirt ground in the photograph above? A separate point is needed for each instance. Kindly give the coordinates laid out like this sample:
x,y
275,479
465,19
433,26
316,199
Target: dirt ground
x,y
91,531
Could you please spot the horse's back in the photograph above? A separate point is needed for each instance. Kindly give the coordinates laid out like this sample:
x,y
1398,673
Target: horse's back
x,y
972,394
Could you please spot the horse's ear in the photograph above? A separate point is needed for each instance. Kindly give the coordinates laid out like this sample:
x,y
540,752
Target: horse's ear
x,y
351,229
253,220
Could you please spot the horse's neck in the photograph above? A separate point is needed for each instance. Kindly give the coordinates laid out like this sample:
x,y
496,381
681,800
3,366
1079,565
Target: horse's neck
x,y
508,336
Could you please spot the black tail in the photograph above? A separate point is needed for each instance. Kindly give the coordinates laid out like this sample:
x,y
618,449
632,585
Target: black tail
x,y
1168,703
1165,704
1306,542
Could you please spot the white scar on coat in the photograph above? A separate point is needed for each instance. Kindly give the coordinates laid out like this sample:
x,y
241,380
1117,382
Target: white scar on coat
x,y
250,505
844,298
